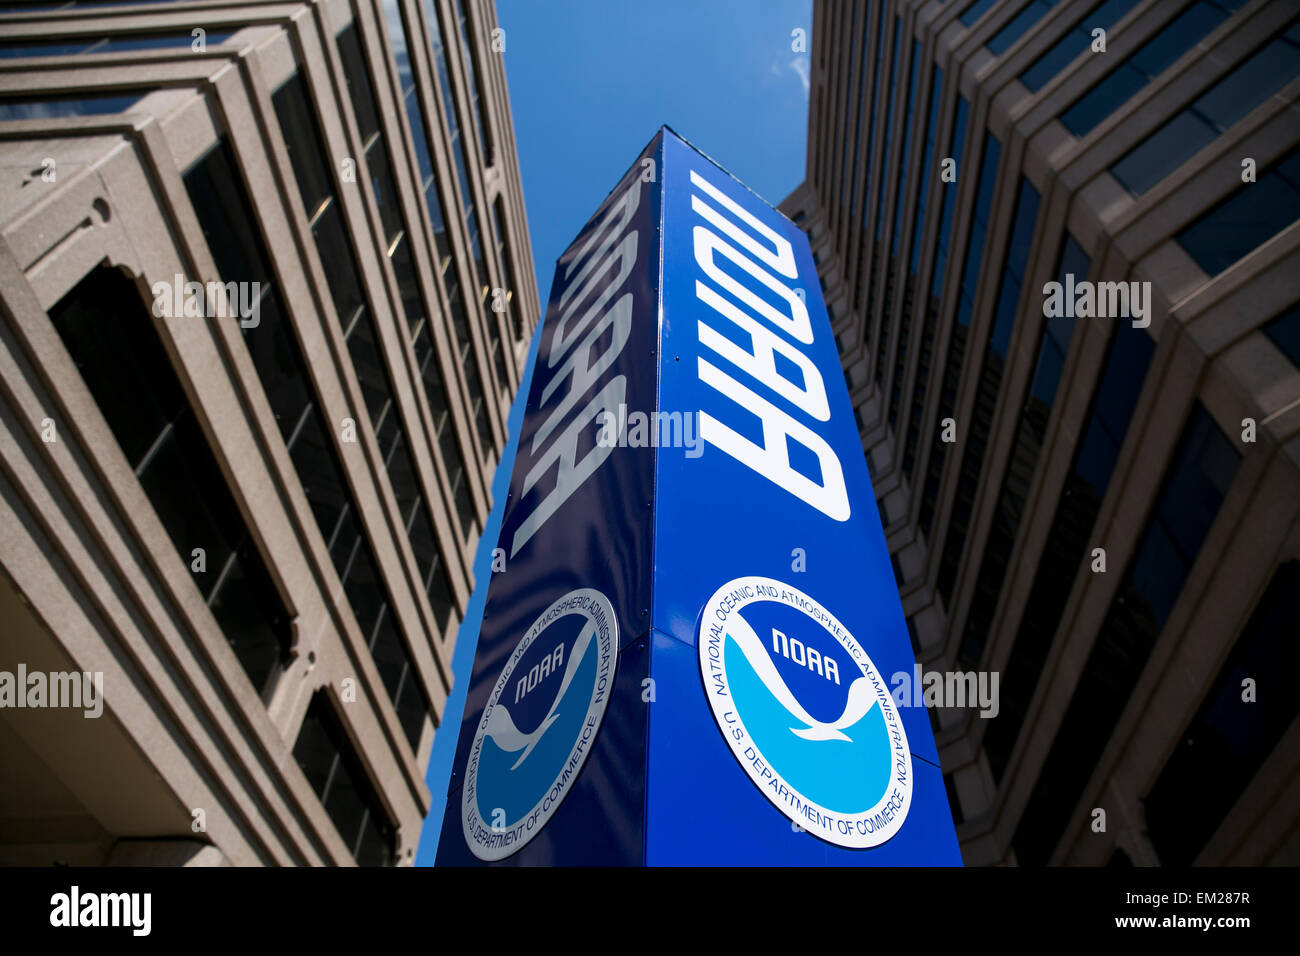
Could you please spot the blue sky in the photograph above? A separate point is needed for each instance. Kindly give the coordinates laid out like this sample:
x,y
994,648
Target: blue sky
x,y
592,80
590,83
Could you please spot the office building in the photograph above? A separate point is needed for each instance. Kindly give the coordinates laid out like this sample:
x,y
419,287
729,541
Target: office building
x,y
1091,490
265,298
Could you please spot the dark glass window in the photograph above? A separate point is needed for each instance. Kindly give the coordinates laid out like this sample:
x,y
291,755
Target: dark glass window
x,y
1019,25
1104,15
479,270
877,252
1229,739
889,128
954,804
974,251
505,267
401,468
853,120
1211,114
75,46
992,366
1036,409
471,74
956,144
866,121
905,156
1284,332
898,570
975,11
1193,491
1068,539
283,373
397,38
35,107
457,139
1146,63
928,170
1245,220
399,35
108,332
330,763
920,383
957,338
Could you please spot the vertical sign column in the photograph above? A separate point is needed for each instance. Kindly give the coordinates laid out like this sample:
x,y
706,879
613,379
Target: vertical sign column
x,y
549,767
774,737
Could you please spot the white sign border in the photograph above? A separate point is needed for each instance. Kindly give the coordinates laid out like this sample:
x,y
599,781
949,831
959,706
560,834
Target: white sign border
x,y
533,821
737,736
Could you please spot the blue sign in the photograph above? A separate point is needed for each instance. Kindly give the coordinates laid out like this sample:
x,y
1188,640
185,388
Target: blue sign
x,y
685,658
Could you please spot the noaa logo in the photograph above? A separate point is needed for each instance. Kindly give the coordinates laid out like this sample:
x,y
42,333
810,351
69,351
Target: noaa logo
x,y
539,724
805,712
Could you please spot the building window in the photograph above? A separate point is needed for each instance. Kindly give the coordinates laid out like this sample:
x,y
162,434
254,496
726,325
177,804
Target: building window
x,y
108,332
1246,219
471,75
64,107
1022,462
898,570
928,171
400,36
992,363
330,763
1213,113
853,121
956,144
975,11
78,46
1018,26
397,38
399,465
225,216
1146,63
1095,455
957,339
459,155
1284,332
905,156
1228,740
884,148
954,804
1198,480
506,268
1103,15
861,159
920,381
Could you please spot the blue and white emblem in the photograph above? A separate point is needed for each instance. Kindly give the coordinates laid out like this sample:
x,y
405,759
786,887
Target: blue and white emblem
x,y
539,724
805,711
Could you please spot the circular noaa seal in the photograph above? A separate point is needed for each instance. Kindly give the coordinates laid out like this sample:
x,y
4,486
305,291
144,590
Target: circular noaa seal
x,y
539,724
805,712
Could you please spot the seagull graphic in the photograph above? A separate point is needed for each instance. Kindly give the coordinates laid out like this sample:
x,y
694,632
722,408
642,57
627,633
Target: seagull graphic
x,y
501,727
858,705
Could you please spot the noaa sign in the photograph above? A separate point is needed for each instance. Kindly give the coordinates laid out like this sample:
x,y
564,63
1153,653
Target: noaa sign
x,y
556,684
683,660
805,712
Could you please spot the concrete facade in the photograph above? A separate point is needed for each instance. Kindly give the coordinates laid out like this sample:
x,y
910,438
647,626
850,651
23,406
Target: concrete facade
x,y
190,762
917,351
